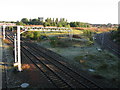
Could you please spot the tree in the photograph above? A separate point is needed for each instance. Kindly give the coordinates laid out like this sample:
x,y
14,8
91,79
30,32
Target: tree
x,y
118,30
56,21
24,20
59,25
67,26
36,35
35,21
19,23
73,24
45,24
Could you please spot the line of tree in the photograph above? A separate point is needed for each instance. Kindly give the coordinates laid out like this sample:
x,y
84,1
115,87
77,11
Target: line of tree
x,y
79,24
62,22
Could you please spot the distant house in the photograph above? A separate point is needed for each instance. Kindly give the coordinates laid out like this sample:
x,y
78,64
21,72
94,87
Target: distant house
x,y
42,27
40,18
109,25
8,24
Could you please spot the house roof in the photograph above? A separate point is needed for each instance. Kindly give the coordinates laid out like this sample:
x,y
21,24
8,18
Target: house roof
x,y
33,25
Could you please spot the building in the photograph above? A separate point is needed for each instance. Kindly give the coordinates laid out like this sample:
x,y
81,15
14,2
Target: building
x,y
8,24
40,18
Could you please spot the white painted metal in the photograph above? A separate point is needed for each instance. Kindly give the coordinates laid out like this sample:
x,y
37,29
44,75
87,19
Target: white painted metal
x,y
1,61
4,32
15,48
17,43
18,48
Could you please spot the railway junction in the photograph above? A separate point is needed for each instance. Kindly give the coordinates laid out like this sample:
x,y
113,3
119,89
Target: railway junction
x,y
38,67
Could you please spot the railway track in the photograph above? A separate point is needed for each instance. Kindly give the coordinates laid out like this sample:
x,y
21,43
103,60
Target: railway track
x,y
4,72
56,60
108,44
60,74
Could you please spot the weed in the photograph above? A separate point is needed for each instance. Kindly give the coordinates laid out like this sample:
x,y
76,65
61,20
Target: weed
x,y
103,66
98,76
6,41
62,44
89,43
77,58
56,42
11,48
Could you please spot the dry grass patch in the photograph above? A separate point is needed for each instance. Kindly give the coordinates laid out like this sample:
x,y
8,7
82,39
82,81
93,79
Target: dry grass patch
x,y
104,63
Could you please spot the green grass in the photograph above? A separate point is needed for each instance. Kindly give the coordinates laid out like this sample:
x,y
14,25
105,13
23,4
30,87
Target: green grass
x,y
57,42
104,63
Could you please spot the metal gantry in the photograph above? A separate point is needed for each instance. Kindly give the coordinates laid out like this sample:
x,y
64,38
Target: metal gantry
x,y
17,50
4,32
17,46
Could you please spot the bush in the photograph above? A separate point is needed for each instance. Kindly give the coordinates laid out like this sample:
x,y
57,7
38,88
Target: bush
x,y
62,44
103,66
53,41
56,42
77,58
91,56
36,35
6,41
89,43
30,35
86,57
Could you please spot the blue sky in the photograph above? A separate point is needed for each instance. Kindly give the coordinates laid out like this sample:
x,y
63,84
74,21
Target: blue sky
x,y
91,11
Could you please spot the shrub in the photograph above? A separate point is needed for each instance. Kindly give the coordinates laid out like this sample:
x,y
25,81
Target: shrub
x,y
103,66
90,56
78,58
62,44
36,35
6,41
30,35
56,42
89,43
53,41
